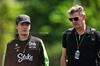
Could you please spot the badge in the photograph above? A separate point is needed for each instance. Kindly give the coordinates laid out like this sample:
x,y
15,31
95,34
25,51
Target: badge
x,y
77,54
16,47
32,45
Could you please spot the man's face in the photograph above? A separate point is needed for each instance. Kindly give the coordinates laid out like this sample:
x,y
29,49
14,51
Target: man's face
x,y
77,20
23,28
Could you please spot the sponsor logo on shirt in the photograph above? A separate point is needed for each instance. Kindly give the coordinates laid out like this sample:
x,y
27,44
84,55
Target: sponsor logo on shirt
x,y
32,45
22,57
17,47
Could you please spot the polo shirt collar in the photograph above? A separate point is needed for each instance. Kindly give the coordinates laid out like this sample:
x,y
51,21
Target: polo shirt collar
x,y
87,31
17,36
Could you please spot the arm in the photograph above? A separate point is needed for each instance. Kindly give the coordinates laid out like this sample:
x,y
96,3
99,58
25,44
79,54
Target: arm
x,y
64,58
43,54
6,58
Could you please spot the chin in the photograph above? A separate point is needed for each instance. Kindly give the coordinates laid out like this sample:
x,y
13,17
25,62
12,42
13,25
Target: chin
x,y
76,27
24,34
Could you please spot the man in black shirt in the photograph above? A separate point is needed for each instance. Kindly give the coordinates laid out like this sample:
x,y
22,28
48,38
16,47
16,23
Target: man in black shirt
x,y
78,46
25,49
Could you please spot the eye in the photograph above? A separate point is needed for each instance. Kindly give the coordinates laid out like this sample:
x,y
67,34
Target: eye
x,y
76,18
27,24
22,24
70,19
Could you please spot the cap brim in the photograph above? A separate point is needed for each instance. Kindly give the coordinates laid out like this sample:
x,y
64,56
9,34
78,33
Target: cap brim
x,y
24,21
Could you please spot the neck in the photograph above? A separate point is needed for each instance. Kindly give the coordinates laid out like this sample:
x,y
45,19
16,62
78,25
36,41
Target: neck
x,y
81,30
23,37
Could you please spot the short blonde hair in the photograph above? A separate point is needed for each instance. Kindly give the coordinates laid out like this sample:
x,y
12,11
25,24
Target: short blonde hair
x,y
76,8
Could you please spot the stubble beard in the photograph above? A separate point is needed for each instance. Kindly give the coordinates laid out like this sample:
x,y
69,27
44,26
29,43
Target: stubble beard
x,y
24,34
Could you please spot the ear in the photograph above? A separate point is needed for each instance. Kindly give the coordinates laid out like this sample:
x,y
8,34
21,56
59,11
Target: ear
x,y
30,26
16,26
84,16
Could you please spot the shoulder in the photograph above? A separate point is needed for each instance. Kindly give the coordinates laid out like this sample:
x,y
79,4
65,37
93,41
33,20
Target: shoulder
x,y
69,31
95,31
35,38
11,42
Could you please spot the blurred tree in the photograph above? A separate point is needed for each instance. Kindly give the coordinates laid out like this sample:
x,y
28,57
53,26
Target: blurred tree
x,y
49,20
9,10
92,13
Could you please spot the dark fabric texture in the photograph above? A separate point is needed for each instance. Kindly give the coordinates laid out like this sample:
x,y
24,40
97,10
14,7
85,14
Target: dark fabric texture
x,y
87,48
33,55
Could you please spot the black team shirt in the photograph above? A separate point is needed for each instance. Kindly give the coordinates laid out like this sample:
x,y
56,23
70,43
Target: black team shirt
x,y
87,49
24,53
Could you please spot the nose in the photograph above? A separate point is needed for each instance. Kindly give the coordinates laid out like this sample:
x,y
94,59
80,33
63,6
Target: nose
x,y
73,20
25,26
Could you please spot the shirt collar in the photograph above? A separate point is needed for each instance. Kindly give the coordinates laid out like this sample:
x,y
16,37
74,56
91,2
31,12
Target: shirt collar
x,y
87,31
17,36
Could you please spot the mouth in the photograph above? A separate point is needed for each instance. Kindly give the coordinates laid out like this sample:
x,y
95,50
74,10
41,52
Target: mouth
x,y
75,23
24,30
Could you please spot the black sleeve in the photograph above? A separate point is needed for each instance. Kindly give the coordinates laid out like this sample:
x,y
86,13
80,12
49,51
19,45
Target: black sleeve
x,y
97,40
6,57
64,42
41,56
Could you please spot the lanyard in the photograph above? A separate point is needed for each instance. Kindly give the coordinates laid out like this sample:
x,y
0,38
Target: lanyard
x,y
79,44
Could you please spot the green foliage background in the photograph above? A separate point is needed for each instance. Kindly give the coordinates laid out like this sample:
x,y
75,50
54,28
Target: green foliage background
x,y
49,21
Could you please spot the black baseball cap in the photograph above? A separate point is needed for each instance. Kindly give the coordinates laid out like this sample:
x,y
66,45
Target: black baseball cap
x,y
23,18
